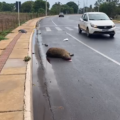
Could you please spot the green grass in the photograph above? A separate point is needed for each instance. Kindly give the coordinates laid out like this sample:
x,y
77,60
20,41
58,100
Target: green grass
x,y
3,34
27,58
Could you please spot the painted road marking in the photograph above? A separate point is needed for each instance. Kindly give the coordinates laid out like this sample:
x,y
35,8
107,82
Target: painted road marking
x,y
105,56
76,27
59,29
54,23
68,28
48,29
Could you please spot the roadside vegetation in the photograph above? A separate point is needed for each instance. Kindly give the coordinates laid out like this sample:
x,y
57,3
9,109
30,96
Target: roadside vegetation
x,y
9,15
3,34
110,7
33,9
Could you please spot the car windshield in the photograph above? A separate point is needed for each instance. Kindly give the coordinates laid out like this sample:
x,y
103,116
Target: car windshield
x,y
98,17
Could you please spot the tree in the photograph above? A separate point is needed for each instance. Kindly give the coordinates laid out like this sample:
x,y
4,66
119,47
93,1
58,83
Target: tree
x,y
41,11
66,9
90,8
27,6
56,8
98,3
109,8
116,1
0,6
40,4
7,7
74,6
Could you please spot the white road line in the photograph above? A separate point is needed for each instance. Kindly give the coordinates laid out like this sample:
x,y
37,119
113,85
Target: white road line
x,y
59,29
54,23
68,28
76,27
48,29
114,61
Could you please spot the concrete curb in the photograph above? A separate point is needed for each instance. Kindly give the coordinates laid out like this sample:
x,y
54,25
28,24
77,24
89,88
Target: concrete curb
x,y
28,115
28,105
41,50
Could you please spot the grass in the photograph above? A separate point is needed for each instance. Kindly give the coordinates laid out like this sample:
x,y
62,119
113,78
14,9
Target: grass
x,y
27,58
3,34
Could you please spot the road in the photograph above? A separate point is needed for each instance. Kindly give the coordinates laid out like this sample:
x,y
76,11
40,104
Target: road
x,y
88,88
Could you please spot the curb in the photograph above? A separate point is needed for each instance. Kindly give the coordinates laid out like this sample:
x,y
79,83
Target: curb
x,y
28,114
41,50
28,103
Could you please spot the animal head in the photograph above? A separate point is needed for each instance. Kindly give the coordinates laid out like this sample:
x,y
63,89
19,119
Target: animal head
x,y
66,56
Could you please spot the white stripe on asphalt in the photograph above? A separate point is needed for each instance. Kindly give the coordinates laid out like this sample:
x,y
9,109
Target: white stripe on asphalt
x,y
48,29
68,28
54,23
76,27
59,29
114,61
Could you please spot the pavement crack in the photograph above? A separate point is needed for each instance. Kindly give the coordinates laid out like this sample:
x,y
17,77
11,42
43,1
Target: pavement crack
x,y
11,111
48,98
12,74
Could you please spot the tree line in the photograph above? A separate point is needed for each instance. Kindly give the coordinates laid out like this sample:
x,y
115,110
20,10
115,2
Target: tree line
x,y
26,7
110,7
68,8
39,6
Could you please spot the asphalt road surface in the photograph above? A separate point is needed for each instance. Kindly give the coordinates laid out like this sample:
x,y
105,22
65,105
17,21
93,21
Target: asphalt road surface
x,y
88,88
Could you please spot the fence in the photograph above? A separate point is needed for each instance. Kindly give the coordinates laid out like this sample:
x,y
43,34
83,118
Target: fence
x,y
9,20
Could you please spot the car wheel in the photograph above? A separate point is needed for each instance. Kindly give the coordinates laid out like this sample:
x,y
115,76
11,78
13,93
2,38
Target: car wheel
x,y
88,34
79,30
112,35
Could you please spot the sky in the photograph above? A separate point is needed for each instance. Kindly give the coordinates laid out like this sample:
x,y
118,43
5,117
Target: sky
x,y
88,2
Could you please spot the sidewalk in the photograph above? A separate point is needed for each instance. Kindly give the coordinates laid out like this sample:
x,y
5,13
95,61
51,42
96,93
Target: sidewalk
x,y
13,74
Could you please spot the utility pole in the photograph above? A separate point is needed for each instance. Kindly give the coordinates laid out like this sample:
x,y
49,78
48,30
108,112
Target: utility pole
x,y
83,6
46,7
18,13
78,7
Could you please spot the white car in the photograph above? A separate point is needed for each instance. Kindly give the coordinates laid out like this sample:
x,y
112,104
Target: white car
x,y
96,23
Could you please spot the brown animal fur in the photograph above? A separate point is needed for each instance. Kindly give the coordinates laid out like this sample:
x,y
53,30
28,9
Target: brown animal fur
x,y
58,53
